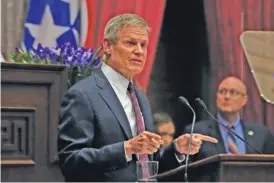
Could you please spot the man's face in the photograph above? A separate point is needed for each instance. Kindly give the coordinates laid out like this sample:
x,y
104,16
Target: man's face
x,y
166,131
231,95
128,55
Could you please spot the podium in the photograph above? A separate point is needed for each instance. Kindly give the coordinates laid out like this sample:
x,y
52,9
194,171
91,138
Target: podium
x,y
30,98
225,168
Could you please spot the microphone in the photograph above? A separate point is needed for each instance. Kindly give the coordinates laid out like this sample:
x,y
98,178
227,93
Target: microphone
x,y
204,108
184,101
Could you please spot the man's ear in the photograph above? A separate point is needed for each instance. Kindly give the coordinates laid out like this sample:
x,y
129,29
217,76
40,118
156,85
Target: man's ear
x,y
107,46
245,100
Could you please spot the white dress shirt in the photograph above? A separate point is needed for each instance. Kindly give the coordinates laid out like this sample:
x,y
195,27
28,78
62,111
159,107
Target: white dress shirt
x,y
120,84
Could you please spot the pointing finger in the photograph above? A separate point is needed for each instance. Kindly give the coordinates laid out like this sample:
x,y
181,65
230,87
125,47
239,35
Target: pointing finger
x,y
155,143
196,141
208,139
152,135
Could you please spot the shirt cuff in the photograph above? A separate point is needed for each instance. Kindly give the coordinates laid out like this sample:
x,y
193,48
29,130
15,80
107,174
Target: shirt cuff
x,y
128,157
180,157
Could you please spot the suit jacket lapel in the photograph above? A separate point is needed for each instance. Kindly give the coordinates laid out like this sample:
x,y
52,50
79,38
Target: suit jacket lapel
x,y
215,132
251,139
108,95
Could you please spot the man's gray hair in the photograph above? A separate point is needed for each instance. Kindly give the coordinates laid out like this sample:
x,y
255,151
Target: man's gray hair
x,y
116,23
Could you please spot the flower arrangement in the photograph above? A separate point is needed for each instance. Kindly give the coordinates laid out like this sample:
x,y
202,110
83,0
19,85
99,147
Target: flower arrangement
x,y
79,60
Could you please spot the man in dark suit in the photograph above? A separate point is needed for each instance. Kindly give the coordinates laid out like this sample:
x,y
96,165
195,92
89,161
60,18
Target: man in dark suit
x,y
165,127
231,98
105,123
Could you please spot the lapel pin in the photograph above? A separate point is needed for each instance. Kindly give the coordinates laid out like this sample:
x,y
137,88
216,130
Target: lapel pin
x,y
250,133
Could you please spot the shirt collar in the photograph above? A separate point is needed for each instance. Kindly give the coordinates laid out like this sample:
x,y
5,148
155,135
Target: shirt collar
x,y
115,78
226,123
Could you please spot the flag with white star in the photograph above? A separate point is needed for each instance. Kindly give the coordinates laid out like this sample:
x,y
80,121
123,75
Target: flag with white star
x,y
51,23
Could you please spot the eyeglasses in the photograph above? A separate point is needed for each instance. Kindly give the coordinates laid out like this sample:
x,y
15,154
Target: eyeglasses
x,y
232,92
166,134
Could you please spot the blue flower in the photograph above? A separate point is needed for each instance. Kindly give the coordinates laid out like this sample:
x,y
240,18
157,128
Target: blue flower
x,y
77,59
97,63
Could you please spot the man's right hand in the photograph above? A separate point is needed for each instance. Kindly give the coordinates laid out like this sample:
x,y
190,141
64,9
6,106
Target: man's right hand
x,y
144,143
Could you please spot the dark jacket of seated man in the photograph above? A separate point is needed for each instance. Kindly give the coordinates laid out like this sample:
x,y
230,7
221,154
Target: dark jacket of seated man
x,y
231,97
256,135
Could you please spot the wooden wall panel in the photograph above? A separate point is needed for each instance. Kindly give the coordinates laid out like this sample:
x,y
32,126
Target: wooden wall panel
x,y
30,101
12,23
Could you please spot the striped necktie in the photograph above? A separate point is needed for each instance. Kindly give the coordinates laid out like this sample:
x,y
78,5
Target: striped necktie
x,y
231,141
139,124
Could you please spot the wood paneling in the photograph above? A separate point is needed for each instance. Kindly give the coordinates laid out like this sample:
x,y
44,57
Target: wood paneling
x,y
30,100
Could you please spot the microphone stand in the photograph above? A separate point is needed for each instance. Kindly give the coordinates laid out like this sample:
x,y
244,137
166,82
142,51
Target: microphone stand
x,y
189,142
184,101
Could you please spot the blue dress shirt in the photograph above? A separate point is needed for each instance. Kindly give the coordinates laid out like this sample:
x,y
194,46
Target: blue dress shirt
x,y
238,129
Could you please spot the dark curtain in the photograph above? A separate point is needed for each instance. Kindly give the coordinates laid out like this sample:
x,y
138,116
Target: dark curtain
x,y
181,65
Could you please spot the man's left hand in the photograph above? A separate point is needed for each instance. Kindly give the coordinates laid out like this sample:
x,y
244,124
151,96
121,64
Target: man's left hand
x,y
197,140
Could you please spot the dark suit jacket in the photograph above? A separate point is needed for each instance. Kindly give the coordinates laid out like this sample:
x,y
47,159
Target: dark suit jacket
x,y
262,139
92,129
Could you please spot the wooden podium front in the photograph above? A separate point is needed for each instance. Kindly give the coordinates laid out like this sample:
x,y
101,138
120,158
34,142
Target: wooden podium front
x,y
30,100
226,168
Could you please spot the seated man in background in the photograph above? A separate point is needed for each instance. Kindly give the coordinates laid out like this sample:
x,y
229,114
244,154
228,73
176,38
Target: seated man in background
x,y
231,98
165,127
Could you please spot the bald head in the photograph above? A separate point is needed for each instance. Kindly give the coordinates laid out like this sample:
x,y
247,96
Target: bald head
x,y
235,83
